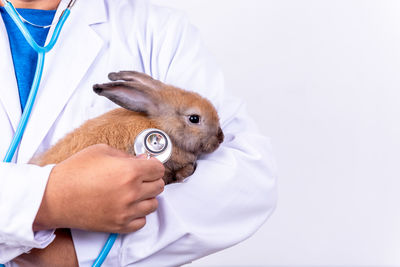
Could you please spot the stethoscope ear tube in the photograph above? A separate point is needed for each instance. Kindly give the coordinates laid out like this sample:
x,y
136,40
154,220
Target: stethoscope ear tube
x,y
27,111
20,24
38,74
71,4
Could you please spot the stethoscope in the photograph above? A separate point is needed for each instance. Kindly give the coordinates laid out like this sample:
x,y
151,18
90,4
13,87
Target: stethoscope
x,y
152,142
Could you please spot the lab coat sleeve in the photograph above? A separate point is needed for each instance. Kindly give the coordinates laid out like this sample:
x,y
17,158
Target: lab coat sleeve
x,y
232,192
21,190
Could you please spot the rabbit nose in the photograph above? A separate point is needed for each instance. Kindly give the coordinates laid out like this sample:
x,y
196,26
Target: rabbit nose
x,y
220,135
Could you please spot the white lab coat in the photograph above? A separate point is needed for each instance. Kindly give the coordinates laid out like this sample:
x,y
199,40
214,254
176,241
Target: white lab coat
x,y
233,190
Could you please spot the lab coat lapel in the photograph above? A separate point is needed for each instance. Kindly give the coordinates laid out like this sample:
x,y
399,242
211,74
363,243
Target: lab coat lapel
x,y
65,66
9,96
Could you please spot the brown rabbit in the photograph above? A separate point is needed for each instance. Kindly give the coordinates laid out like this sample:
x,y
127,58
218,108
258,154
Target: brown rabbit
x,y
190,120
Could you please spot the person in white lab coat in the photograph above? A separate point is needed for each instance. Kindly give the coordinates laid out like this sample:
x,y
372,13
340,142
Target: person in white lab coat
x,y
231,194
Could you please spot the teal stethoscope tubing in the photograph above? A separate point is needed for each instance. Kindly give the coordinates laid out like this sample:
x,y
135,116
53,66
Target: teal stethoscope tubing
x,y
38,74
32,96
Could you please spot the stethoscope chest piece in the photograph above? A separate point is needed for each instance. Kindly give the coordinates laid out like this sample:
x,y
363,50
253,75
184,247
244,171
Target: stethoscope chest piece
x,y
154,143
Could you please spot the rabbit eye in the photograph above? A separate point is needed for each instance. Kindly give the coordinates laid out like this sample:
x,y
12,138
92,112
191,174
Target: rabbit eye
x,y
194,118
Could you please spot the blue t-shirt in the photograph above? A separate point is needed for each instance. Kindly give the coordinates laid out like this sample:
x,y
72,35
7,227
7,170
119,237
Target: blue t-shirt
x,y
24,57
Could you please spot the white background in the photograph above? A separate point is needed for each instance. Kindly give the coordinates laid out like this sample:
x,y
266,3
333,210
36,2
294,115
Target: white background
x,y
322,78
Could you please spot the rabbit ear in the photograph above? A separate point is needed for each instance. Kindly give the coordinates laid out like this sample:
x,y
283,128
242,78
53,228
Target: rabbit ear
x,y
131,95
134,76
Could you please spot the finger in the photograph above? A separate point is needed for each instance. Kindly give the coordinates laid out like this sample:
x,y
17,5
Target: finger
x,y
151,189
134,225
143,208
142,156
148,170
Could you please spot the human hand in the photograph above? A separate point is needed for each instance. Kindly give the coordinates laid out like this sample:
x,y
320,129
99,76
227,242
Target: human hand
x,y
101,189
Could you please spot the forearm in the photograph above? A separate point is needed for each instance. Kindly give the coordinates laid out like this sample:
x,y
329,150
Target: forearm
x,y
20,198
59,253
51,214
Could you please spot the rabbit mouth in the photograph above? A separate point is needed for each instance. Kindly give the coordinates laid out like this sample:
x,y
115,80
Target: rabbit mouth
x,y
212,142
220,135
211,146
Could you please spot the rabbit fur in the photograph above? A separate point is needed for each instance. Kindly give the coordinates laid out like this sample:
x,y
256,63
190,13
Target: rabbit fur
x,y
147,103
